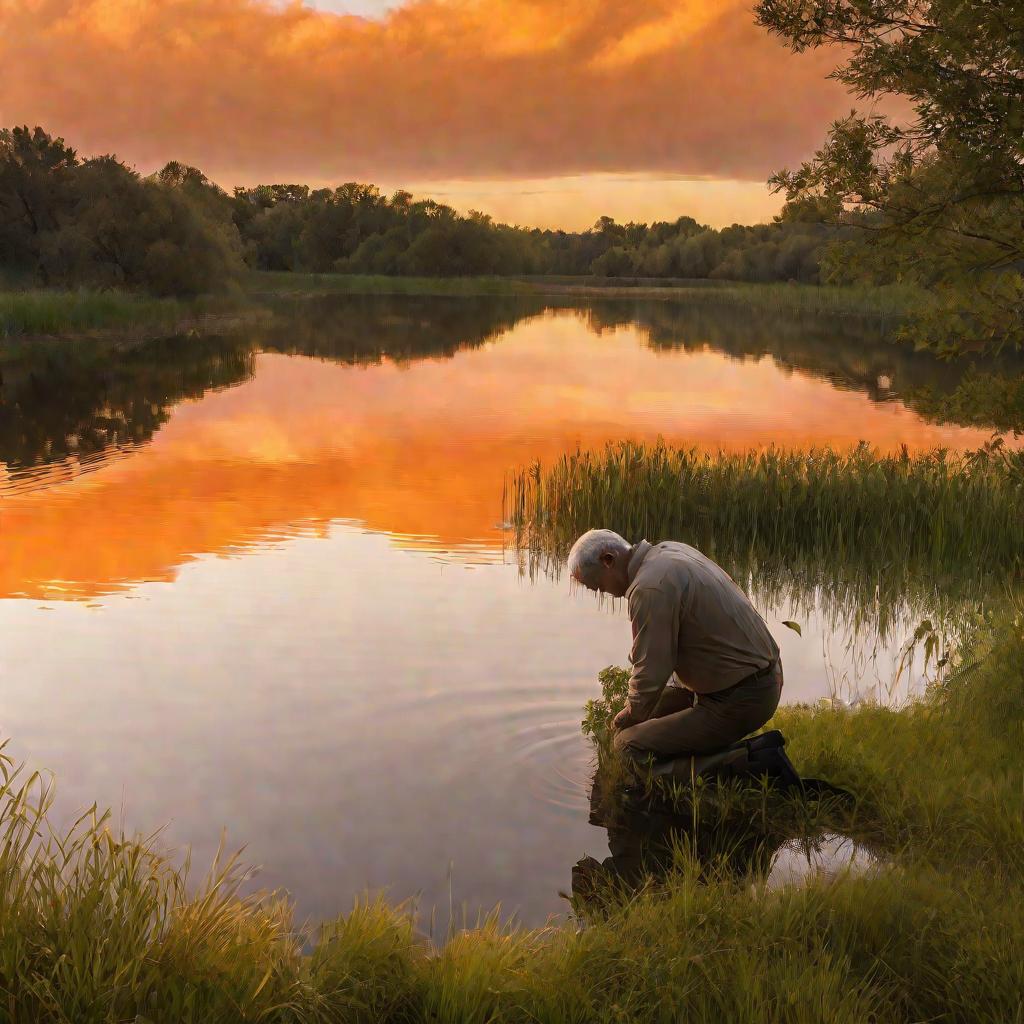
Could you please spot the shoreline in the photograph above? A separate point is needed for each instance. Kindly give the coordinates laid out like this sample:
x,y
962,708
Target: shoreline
x,y
46,315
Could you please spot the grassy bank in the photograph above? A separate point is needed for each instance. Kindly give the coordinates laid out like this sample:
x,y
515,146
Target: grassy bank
x,y
886,301
97,927
43,313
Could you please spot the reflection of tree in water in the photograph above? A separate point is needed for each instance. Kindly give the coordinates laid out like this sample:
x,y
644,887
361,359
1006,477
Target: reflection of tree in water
x,y
369,328
74,401
851,352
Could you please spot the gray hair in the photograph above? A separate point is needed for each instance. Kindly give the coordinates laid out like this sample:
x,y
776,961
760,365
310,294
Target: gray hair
x,y
585,556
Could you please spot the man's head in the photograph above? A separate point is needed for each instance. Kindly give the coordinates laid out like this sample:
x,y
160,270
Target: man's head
x,y
600,560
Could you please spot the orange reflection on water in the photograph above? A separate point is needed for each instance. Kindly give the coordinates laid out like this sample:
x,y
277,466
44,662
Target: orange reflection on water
x,y
419,450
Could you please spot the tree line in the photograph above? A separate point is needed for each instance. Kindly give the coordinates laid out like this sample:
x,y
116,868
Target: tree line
x,y
68,221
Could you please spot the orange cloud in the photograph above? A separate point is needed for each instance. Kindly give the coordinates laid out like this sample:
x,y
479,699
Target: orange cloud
x,y
437,89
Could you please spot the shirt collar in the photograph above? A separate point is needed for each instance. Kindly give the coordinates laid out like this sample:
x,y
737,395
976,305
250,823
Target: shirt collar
x,y
636,556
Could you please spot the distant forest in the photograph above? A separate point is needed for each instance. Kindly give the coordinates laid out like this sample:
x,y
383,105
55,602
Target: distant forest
x,y
68,221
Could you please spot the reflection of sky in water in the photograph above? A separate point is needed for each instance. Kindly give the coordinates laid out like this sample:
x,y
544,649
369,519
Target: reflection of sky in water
x,y
357,714
419,450
290,613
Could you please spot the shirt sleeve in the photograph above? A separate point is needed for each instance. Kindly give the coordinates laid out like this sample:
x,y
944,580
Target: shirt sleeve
x,y
654,615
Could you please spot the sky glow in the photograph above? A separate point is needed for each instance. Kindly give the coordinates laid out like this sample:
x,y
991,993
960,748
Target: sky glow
x,y
492,103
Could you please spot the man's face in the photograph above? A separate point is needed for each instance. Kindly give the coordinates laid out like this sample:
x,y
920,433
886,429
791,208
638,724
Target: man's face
x,y
611,578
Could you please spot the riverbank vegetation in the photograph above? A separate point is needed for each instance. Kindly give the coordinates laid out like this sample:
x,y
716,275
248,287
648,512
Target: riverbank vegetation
x,y
100,927
945,514
47,313
73,313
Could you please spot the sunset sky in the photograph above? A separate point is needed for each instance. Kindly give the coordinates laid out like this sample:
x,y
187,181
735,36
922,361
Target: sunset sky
x,y
536,112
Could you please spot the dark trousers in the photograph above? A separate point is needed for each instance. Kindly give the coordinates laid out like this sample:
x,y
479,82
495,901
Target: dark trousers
x,y
686,723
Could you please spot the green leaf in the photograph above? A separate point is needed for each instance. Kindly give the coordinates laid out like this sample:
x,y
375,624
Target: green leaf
x,y
795,626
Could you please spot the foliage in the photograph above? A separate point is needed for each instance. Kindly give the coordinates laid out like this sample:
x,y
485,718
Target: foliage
x,y
65,221
395,236
36,312
939,200
70,222
96,223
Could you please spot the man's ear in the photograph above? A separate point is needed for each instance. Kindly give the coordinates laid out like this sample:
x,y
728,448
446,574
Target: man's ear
x,y
607,559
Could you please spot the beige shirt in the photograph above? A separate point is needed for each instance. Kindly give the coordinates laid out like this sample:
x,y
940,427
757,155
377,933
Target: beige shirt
x,y
689,617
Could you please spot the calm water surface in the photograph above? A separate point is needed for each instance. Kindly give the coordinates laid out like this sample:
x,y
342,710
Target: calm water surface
x,y
261,582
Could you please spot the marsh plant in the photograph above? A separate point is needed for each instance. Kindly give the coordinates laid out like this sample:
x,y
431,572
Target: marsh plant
x,y
941,512
878,543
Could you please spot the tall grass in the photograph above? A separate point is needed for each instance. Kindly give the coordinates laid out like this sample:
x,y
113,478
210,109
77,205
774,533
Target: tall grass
x,y
98,927
40,313
43,312
861,300
940,514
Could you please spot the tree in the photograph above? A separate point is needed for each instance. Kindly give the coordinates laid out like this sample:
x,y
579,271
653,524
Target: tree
x,y
124,231
939,200
35,175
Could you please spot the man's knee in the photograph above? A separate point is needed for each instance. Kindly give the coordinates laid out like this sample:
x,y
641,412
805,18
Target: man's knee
x,y
620,739
629,746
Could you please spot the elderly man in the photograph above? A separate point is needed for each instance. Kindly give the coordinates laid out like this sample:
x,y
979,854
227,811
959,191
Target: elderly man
x,y
706,671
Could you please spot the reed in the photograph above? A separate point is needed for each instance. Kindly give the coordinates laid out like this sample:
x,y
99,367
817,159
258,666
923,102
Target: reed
x,y
46,312
816,513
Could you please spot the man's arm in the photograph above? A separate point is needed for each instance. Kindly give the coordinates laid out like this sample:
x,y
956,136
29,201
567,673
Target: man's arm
x,y
654,616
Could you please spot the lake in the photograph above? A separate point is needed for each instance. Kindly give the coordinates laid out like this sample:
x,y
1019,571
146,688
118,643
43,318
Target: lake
x,y
262,582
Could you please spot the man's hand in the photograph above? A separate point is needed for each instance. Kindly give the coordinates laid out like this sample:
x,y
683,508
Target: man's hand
x,y
623,720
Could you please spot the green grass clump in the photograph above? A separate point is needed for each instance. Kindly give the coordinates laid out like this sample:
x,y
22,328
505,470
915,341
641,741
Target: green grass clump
x,y
45,312
101,928
30,317
97,927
